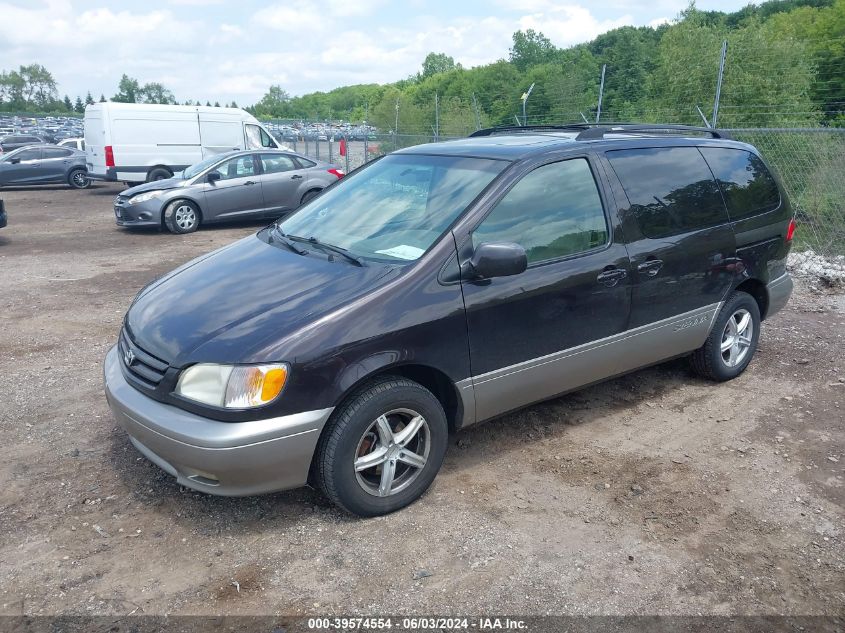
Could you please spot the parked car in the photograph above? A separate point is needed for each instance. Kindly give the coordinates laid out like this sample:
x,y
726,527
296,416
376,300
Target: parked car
x,y
14,141
233,186
44,164
143,142
75,143
441,286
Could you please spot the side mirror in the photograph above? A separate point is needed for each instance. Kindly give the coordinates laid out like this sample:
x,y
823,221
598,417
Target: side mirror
x,y
213,176
498,259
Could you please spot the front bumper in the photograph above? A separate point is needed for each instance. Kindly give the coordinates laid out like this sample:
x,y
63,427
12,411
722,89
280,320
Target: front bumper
x,y
222,458
779,292
144,214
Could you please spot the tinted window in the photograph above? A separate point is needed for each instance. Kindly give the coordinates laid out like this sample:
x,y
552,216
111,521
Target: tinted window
x,y
277,163
237,167
305,162
671,189
55,152
552,212
746,183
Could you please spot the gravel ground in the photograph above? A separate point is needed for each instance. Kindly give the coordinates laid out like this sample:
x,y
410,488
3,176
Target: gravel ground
x,y
656,493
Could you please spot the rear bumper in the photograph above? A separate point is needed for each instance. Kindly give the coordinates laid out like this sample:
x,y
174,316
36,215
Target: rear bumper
x,y
779,292
221,458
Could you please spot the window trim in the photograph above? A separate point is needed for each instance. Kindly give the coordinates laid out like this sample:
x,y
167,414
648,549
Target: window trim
x,y
602,200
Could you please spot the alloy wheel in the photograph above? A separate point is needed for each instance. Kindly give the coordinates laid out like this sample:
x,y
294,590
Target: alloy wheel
x,y
392,452
185,217
737,337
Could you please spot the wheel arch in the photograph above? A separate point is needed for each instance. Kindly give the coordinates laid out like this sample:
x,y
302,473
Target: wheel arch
x,y
757,289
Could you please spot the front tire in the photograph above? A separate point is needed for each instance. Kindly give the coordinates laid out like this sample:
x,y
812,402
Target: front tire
x,y
182,216
732,341
78,179
382,449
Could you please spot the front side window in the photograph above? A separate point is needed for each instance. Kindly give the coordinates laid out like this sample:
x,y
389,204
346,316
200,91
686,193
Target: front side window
x,y
277,163
257,138
238,167
28,154
747,185
671,189
395,209
554,211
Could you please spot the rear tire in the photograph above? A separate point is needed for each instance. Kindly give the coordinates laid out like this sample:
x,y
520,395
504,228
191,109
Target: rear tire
x,y
78,179
732,341
381,450
159,173
182,216
309,195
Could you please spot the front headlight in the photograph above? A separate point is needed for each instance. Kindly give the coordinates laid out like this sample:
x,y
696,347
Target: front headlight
x,y
143,197
232,386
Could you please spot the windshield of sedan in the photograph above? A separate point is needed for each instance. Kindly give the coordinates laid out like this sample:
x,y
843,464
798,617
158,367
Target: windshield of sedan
x,y
197,168
394,210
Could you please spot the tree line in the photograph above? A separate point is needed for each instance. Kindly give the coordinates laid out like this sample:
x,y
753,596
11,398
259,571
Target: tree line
x,y
783,68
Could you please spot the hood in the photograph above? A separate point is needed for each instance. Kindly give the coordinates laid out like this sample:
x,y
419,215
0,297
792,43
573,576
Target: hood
x,y
156,185
227,306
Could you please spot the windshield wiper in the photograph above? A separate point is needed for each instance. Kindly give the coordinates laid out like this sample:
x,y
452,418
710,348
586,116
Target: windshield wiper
x,y
284,239
330,247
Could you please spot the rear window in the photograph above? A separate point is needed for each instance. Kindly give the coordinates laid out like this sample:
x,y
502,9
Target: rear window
x,y
56,152
670,189
747,185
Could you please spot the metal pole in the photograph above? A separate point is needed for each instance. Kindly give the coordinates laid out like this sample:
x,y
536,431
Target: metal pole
x,y
477,117
703,118
396,128
719,83
583,117
524,101
436,118
601,92
366,131
346,153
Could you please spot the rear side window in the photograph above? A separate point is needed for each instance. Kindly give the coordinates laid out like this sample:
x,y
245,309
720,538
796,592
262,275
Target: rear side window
x,y
305,162
56,152
747,185
277,163
671,189
554,211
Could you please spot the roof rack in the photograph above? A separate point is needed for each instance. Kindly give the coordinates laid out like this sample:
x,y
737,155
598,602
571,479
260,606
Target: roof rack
x,y
596,131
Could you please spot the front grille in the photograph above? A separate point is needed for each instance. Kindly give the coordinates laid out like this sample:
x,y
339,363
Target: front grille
x,y
142,365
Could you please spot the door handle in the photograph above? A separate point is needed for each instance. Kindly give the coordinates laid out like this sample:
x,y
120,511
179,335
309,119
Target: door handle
x,y
651,267
611,277
249,182
296,177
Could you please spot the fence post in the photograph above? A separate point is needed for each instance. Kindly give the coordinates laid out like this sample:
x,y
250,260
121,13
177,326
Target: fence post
x,y
317,148
396,128
330,142
477,117
601,92
719,83
346,153
436,118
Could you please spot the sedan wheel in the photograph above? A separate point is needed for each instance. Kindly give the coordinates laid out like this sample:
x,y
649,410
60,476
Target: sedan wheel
x,y
736,339
79,179
730,345
182,216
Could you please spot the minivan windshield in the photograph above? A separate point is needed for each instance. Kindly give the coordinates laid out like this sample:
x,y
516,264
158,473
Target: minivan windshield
x,y
394,210
197,168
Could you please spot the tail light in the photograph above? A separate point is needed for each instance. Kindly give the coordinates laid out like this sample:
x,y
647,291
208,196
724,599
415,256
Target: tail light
x,y
109,156
790,230
339,173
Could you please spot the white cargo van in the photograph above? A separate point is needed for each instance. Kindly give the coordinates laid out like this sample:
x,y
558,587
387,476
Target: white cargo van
x,y
139,142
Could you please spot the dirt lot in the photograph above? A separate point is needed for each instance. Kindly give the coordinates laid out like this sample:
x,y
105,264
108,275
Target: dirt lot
x,y
654,493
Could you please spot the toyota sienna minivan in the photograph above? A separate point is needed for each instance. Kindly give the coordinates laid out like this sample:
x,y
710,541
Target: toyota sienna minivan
x,y
441,286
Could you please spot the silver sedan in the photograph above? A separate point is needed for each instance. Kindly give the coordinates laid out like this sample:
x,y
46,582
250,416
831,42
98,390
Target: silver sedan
x,y
250,184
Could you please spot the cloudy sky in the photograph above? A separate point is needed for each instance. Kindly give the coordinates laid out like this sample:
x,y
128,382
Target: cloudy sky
x,y
221,50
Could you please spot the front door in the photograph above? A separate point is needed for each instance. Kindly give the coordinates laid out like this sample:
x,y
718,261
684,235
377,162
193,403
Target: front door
x,y
543,332
22,168
238,191
55,163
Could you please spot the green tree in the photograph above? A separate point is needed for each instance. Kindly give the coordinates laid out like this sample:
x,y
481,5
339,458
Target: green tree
x,y
68,104
531,48
89,100
127,90
273,103
435,63
155,92
79,106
